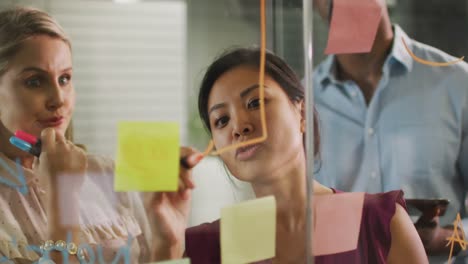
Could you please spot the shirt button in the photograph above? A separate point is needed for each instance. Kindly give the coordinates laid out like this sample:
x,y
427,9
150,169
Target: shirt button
x,y
370,131
373,175
353,93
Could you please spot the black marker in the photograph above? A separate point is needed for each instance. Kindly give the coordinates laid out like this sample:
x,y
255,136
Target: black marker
x,y
183,162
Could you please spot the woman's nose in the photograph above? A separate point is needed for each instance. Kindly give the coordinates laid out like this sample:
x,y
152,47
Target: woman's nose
x,y
242,128
55,98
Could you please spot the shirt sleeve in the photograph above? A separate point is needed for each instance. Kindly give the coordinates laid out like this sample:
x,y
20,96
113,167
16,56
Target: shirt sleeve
x,y
379,210
462,166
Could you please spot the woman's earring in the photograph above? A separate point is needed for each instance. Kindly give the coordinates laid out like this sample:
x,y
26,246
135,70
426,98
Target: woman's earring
x,y
303,126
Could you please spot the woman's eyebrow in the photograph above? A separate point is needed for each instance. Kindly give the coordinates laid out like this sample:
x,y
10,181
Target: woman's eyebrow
x,y
37,69
247,90
216,106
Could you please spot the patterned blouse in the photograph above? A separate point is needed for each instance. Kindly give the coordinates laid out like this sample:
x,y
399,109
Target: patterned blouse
x,y
113,225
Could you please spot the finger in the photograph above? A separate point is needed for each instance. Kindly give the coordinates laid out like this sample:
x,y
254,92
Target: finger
x,y
59,138
427,222
186,194
156,200
189,161
157,203
48,139
189,182
183,194
181,186
189,157
184,189
35,163
187,179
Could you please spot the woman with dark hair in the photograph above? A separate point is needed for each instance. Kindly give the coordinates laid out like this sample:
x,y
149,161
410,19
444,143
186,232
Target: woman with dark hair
x,y
229,107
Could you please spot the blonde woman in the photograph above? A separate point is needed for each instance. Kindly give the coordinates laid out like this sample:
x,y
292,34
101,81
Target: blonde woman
x,y
66,196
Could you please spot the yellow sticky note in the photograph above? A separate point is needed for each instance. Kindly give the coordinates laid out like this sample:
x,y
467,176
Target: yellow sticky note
x,y
176,261
147,156
248,231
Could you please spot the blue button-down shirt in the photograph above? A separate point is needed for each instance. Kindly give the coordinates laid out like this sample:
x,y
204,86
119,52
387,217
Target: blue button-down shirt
x,y
411,136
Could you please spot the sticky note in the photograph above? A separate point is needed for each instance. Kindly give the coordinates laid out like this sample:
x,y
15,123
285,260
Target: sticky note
x,y
353,26
248,231
147,156
175,261
337,222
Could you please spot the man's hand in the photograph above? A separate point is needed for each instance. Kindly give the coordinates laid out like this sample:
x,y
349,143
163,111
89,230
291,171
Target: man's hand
x,y
434,237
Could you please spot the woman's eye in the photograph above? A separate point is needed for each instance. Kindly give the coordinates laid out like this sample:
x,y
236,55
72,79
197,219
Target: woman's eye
x,y
33,82
222,121
254,104
64,80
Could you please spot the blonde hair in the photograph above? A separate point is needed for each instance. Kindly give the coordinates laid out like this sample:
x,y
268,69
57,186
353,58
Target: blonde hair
x,y
17,24
20,23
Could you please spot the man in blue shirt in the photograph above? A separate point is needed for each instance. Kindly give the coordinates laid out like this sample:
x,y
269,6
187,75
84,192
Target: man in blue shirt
x,y
388,122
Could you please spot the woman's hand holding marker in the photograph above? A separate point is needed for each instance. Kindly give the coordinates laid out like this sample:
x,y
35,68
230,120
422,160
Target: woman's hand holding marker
x,y
172,209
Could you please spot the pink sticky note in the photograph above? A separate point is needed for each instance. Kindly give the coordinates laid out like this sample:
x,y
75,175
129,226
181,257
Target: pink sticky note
x,y
337,222
353,26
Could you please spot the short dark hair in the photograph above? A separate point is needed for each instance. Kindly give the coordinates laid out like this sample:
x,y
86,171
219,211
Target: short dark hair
x,y
275,67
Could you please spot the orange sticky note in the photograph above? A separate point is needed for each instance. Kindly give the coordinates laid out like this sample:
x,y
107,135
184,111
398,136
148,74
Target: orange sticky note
x,y
248,231
337,222
147,156
353,26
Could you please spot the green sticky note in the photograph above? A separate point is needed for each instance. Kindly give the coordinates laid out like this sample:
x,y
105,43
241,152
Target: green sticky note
x,y
248,231
147,156
176,261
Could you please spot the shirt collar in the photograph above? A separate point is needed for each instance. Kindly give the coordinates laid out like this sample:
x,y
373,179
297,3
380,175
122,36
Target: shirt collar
x,y
327,70
399,52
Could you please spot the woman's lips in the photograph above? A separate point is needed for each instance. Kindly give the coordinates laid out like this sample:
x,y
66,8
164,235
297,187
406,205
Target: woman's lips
x,y
245,153
52,122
